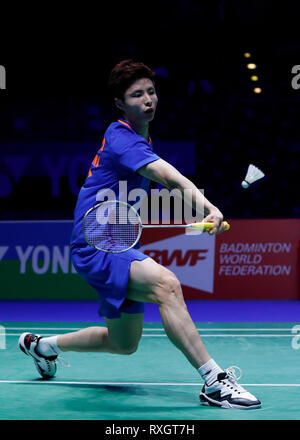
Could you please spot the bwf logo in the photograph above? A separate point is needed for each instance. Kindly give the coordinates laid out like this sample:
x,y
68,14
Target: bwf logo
x,y
2,338
191,258
2,78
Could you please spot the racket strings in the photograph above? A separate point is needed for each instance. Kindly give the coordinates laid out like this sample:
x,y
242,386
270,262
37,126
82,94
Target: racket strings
x,y
112,227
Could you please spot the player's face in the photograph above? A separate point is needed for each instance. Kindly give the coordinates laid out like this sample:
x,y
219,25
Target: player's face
x,y
140,101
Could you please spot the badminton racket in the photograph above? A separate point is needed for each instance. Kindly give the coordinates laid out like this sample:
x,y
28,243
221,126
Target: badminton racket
x,y
115,226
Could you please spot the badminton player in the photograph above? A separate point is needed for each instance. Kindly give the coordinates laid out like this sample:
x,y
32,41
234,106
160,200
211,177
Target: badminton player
x,y
127,280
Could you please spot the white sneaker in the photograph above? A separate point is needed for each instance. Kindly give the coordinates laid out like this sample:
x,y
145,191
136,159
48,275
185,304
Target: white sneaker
x,y
225,392
46,365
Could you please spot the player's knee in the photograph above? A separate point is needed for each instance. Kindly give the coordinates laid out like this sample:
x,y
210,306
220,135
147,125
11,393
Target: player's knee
x,y
169,288
126,348
172,284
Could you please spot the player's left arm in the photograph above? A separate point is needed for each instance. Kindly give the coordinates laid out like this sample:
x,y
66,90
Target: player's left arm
x,y
164,173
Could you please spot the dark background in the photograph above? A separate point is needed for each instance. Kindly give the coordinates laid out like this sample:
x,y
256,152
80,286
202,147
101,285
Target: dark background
x,y
55,103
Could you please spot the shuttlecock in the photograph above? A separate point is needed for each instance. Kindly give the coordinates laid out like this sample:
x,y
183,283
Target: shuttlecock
x,y
252,175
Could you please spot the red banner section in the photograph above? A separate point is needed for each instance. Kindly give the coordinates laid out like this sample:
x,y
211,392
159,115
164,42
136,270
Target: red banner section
x,y
255,259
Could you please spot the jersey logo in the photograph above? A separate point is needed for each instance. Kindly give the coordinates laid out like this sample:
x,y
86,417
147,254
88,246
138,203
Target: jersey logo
x,y
96,159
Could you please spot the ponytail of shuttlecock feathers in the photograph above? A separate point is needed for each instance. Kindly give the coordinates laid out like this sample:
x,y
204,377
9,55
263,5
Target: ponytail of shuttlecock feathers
x,y
252,175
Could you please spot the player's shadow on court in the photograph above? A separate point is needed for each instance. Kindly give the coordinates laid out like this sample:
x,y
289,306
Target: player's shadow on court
x,y
180,400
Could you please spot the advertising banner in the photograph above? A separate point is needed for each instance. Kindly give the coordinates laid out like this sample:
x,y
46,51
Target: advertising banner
x,y
258,259
255,259
35,262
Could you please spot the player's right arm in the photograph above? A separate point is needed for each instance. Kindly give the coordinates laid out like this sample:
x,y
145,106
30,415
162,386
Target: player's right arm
x,y
164,173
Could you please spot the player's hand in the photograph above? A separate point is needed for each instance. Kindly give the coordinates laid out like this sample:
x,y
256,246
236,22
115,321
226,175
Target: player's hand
x,y
216,217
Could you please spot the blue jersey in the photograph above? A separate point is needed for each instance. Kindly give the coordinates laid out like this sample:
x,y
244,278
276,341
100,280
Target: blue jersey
x,y
121,154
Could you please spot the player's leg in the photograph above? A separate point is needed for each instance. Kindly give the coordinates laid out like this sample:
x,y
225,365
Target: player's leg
x,y
151,282
121,336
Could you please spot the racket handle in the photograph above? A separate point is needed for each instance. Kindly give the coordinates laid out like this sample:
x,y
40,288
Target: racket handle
x,y
207,226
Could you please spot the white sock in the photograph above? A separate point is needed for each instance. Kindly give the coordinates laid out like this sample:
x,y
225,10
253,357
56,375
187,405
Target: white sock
x,y
48,346
209,371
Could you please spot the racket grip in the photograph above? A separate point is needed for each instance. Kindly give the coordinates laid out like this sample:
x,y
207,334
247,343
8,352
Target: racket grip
x,y
227,226
207,226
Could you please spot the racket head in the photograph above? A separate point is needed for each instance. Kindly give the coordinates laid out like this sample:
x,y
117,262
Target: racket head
x,y
112,226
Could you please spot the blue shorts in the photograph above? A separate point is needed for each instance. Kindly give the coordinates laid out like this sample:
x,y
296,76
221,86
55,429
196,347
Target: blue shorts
x,y
108,274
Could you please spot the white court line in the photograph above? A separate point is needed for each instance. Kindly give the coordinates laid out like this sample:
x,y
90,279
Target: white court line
x,y
231,329
157,329
45,382
44,328
232,336
229,336
202,335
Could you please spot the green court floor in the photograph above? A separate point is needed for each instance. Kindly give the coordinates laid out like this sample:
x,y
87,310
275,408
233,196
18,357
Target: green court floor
x,y
156,382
